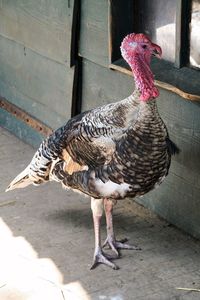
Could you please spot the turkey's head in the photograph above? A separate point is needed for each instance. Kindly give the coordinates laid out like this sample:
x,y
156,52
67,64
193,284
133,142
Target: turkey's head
x,y
137,50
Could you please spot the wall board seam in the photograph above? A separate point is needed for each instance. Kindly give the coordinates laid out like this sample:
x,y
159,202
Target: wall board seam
x,y
33,50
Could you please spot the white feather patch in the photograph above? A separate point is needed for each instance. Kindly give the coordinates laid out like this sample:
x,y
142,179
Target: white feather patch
x,y
110,188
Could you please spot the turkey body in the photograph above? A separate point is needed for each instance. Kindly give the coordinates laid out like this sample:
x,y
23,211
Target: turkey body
x,y
112,152
118,150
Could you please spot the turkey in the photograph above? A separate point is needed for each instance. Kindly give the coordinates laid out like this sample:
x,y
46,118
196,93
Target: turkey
x,y
115,151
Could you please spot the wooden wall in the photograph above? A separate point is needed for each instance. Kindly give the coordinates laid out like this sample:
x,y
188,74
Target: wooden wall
x,y
35,45
35,74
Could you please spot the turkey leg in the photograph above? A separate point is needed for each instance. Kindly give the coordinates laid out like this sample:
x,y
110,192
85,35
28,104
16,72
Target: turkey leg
x,y
99,255
111,240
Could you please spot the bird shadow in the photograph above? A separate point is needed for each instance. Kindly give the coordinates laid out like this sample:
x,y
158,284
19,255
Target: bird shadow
x,y
124,223
73,216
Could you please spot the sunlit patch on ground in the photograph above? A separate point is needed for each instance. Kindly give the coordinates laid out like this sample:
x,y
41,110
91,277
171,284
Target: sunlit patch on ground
x,y
25,276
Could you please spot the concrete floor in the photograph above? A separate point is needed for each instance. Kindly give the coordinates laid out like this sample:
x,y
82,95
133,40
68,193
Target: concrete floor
x,y
47,240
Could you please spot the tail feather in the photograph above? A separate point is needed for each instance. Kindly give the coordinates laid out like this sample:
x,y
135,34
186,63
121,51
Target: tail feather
x,y
172,147
36,172
20,181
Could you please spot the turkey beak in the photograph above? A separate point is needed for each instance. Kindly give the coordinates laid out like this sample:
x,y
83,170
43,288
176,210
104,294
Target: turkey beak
x,y
156,50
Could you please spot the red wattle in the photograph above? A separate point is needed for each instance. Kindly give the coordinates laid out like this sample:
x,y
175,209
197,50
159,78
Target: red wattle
x,y
144,78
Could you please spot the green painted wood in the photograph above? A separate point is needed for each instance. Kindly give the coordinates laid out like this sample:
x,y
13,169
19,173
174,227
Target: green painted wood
x,y
102,85
43,26
20,129
94,44
35,83
177,199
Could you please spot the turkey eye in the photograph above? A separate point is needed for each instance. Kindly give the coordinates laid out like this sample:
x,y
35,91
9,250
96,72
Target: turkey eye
x,y
144,46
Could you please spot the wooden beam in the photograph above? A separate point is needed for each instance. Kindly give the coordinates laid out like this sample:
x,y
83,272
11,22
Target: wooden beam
x,y
25,117
121,66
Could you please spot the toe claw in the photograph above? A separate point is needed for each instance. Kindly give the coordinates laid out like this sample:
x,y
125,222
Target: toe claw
x,y
115,267
122,245
94,265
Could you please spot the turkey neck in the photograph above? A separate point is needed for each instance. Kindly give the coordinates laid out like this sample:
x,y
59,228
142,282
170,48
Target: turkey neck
x,y
143,76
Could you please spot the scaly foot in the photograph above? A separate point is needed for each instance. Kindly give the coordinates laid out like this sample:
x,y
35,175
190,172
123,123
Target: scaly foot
x,y
115,245
101,258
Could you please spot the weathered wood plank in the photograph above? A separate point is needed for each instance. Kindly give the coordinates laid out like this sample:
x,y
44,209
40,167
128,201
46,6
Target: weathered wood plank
x,y
40,86
20,129
94,44
25,117
102,85
43,26
178,202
